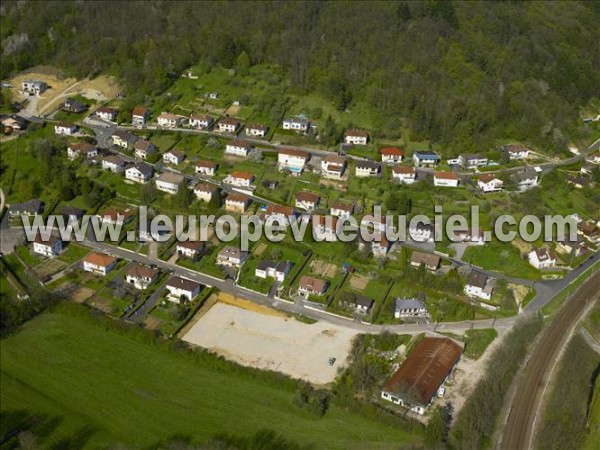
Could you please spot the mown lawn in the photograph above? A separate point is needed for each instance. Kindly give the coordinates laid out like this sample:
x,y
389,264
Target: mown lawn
x,y
101,388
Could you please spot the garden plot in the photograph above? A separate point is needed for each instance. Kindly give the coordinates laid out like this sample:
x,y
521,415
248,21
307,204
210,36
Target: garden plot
x,y
274,343
323,268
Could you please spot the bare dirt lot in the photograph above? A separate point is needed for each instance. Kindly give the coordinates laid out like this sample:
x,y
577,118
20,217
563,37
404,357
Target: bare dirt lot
x,y
323,268
358,282
275,343
49,267
60,87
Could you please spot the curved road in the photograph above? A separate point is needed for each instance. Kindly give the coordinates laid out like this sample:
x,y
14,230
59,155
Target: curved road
x,y
519,430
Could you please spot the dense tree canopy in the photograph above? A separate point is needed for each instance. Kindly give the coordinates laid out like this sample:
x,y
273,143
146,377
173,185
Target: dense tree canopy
x,y
452,72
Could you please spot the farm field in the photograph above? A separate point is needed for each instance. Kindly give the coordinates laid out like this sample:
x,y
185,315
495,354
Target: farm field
x,y
91,387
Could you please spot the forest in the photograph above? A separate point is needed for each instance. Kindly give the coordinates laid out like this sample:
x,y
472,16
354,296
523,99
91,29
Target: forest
x,y
460,74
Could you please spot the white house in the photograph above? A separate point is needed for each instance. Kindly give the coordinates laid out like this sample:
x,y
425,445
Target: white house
x,y
403,174
472,161
568,246
425,158
542,258
138,117
65,128
273,269
201,121
238,147
391,155
296,125
99,263
281,212
356,137
445,179
240,179
307,200
35,87
421,232
256,130
527,178
190,249
114,163
182,288
204,191
123,139
489,183
231,256
312,286
141,276
237,203
409,307
292,160
324,228
144,148
106,113
206,168
479,286
140,173
174,157
83,149
517,151
228,125
48,248
169,182
168,120
367,169
333,167
341,209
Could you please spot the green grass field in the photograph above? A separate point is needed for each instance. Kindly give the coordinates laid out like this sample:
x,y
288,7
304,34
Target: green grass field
x,y
98,388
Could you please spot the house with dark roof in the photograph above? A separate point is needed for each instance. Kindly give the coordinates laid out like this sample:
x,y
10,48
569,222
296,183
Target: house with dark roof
x,y
425,158
430,261
31,207
409,307
479,285
182,289
273,269
74,106
140,173
141,276
542,258
367,169
417,382
49,248
356,137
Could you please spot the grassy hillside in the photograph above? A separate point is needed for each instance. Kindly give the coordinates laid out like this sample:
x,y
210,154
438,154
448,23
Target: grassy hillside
x,y
94,386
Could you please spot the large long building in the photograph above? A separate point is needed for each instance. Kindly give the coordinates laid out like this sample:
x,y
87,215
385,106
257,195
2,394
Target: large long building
x,y
417,382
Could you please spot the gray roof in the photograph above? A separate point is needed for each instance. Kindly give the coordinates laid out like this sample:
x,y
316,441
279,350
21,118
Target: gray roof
x,y
367,165
408,303
363,301
146,169
478,279
30,206
279,266
426,154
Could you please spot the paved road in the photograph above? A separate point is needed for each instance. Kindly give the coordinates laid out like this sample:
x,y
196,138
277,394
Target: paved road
x,y
532,382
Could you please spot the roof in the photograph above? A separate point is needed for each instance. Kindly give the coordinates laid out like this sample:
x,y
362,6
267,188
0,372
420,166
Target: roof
x,y
177,153
256,126
278,266
81,146
171,177
408,303
65,125
428,154
191,245
363,301
242,174
428,259
107,110
343,206
486,178
358,133
544,254
367,165
294,152
240,143
335,159
309,197
446,175
425,369
168,116
322,220
204,187
183,283
51,239
201,117
230,252
114,213
294,120
273,209
33,205
392,151
314,284
526,174
477,279
145,169
229,121
124,135
143,144
100,259
69,210
138,111
114,159
404,169
237,198
207,164
516,148
141,271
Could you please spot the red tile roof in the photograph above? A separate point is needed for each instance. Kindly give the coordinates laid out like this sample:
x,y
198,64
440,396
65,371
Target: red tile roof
x,y
100,259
